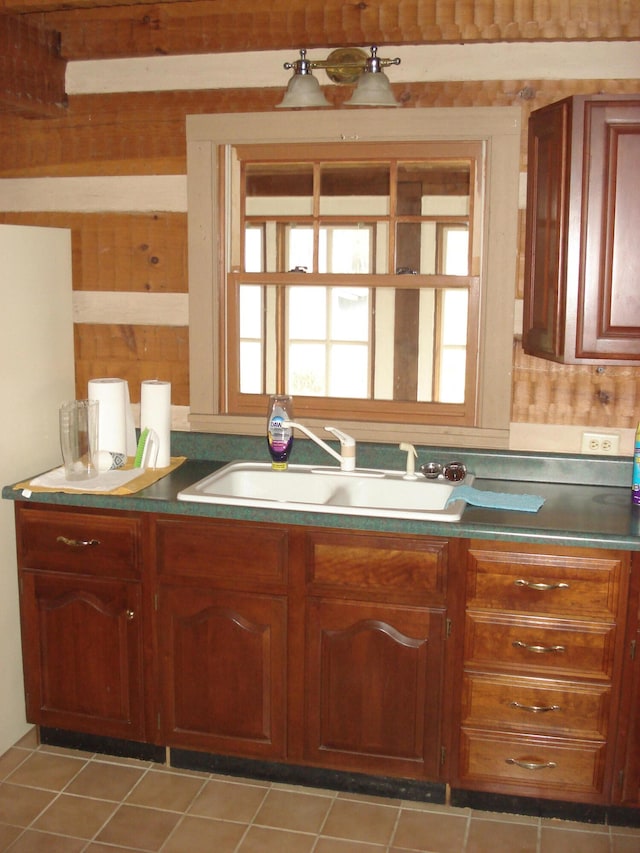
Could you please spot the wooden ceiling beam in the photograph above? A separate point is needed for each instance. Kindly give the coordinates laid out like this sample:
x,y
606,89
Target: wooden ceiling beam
x,y
108,29
31,70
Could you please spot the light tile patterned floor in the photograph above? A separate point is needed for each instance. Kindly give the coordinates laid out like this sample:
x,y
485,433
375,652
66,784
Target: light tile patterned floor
x,y
63,801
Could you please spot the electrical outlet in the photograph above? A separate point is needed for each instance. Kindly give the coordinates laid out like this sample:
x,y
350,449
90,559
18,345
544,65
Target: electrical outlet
x,y
603,443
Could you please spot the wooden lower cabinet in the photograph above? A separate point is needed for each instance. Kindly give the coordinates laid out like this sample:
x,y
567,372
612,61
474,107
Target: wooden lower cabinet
x,y
541,674
376,616
492,666
374,682
221,615
222,671
84,660
82,621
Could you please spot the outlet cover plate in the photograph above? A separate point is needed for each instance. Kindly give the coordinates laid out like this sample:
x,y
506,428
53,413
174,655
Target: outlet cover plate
x,y
601,443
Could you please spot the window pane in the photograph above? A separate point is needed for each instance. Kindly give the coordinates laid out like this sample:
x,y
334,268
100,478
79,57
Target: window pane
x,y
348,371
277,189
307,313
452,372
299,248
349,314
251,367
346,249
306,373
254,249
433,188
250,311
352,189
415,248
454,317
455,251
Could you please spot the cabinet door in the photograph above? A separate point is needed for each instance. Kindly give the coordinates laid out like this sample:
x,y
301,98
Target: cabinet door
x,y
545,259
82,644
581,300
222,664
373,690
609,306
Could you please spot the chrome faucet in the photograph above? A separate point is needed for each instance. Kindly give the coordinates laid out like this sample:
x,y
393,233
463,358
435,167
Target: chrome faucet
x,y
347,455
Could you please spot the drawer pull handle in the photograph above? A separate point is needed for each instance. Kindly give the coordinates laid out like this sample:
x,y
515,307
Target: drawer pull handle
x,y
131,615
531,765
538,650
78,543
541,587
534,709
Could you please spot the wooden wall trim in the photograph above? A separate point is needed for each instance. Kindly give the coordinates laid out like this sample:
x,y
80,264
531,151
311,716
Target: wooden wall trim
x,y
95,194
142,309
420,63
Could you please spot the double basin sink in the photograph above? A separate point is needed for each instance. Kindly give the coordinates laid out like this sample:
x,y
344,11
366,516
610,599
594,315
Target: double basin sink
x,y
311,488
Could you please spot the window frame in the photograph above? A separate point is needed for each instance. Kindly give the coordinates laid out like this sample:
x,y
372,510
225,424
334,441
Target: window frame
x,y
209,242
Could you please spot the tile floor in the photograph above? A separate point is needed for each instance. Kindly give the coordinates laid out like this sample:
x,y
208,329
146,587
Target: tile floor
x,y
56,800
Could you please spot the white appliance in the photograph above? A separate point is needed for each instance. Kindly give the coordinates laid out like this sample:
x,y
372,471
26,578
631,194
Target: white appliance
x,y
36,376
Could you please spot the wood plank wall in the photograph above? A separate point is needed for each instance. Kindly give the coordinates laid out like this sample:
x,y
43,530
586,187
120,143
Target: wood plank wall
x,y
137,256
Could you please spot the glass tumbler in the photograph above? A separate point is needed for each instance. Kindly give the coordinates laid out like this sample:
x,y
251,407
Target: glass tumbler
x,y
79,439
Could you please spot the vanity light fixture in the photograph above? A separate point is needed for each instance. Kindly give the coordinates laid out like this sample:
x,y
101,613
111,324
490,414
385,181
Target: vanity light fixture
x,y
344,65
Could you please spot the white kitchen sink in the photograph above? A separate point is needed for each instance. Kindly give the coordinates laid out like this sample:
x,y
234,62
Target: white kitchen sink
x,y
311,488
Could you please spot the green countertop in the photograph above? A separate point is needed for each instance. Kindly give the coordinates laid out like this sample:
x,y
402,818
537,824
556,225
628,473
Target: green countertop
x,y
587,499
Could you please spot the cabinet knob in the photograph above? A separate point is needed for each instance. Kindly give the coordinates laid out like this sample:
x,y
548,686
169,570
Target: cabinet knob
x,y
531,765
534,709
78,543
542,587
538,650
130,614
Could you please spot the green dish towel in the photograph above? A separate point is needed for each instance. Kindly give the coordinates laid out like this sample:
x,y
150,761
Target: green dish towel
x,y
496,500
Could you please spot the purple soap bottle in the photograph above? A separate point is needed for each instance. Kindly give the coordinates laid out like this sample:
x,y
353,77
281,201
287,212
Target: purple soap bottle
x,y
279,437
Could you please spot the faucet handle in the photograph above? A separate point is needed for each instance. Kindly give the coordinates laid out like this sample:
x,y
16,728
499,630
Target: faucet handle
x,y
347,448
344,439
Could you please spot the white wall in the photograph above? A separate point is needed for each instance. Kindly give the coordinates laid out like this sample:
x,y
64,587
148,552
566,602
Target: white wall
x,y
37,374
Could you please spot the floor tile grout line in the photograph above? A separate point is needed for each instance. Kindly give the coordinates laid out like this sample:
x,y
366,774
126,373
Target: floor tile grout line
x,y
323,823
392,837
55,798
250,822
185,812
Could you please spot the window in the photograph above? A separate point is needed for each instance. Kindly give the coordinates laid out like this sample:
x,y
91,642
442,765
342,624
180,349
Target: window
x,y
371,273
354,286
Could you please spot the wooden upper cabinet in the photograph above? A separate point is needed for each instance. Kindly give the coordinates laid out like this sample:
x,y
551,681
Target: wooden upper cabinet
x,y
582,264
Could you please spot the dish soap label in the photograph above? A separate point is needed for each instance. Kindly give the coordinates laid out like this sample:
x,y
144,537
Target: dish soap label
x,y
635,481
279,436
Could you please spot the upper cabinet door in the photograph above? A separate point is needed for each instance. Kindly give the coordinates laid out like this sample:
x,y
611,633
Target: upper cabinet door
x,y
582,264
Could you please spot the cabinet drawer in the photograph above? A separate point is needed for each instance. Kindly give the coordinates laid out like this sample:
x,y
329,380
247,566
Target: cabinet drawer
x,y
378,566
529,645
546,583
234,554
538,767
86,543
546,706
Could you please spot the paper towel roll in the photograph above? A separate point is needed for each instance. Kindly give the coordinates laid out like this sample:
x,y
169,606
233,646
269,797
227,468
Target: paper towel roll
x,y
155,414
113,397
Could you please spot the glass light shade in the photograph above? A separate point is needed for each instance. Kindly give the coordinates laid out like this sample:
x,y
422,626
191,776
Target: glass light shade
x,y
373,90
303,91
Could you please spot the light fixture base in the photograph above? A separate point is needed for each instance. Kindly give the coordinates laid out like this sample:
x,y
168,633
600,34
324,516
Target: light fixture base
x,y
346,64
